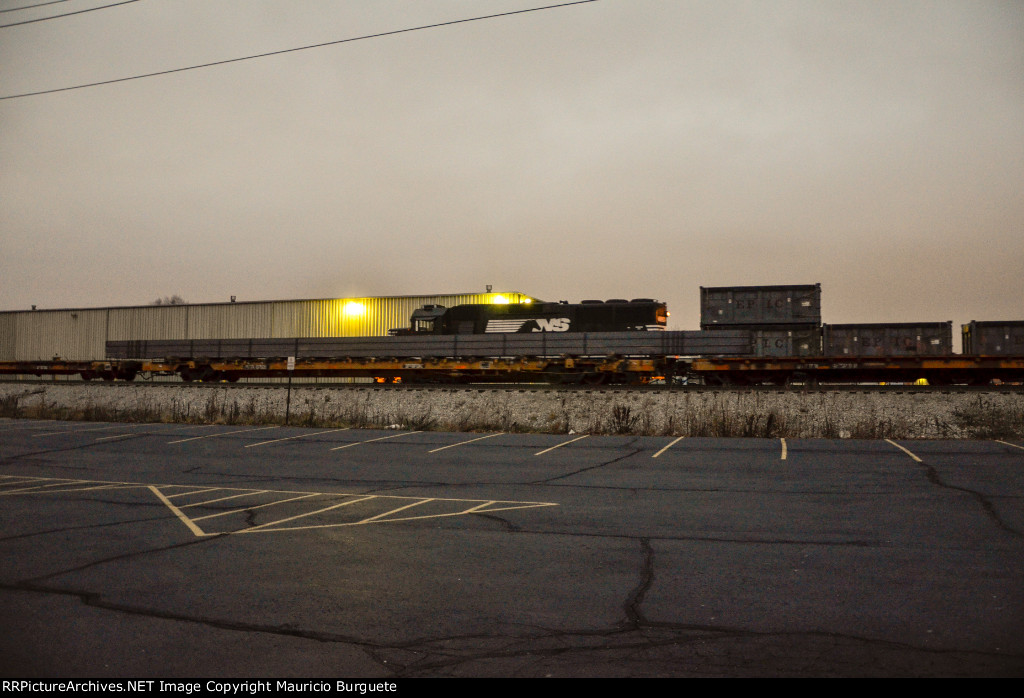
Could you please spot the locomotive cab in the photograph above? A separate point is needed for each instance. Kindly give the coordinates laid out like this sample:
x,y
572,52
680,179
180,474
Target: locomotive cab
x,y
425,320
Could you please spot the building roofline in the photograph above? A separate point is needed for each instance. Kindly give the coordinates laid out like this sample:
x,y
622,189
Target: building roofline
x,y
259,302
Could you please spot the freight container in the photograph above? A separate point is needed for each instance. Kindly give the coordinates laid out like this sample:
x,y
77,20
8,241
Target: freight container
x,y
799,340
889,339
759,305
992,338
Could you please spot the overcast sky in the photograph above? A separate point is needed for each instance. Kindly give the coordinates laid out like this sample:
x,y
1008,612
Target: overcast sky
x,y
620,148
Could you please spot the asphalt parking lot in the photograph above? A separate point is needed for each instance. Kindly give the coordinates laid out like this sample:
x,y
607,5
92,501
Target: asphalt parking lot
x,y
183,550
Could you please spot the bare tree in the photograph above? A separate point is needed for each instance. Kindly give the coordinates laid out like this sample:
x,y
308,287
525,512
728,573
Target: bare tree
x,y
169,300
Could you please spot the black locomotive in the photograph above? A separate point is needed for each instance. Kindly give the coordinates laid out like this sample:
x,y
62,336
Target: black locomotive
x,y
616,315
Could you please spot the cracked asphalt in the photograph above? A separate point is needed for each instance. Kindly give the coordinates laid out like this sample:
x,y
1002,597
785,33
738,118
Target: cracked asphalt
x,y
179,551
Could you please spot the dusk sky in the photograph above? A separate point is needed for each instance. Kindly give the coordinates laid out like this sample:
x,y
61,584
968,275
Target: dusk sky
x,y
613,149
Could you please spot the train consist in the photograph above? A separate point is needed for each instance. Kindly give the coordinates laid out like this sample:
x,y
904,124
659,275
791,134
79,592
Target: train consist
x,y
592,342
750,335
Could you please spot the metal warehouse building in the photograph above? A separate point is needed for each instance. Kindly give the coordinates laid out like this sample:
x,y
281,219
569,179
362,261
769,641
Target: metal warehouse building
x,y
78,334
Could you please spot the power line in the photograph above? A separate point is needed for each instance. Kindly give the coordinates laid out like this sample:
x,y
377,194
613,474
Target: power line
x,y
292,50
28,7
66,14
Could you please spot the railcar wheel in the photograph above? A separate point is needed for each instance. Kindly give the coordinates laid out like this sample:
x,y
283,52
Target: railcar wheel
x,y
804,380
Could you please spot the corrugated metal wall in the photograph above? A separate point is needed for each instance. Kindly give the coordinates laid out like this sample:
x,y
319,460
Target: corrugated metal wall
x,y
66,334
8,322
232,321
81,334
158,322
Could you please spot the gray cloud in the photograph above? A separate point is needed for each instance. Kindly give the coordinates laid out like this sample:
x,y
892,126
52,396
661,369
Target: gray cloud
x,y
616,149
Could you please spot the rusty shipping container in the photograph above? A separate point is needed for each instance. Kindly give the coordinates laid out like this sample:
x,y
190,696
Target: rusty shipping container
x,y
889,339
993,338
760,305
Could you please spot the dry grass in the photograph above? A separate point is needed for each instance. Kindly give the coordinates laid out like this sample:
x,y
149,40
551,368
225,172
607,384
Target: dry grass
x,y
694,415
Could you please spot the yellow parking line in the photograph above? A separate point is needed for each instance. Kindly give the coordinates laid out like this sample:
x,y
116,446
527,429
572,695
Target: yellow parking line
x,y
783,449
221,499
221,433
564,443
24,477
311,513
192,492
673,443
466,442
393,436
395,511
39,488
31,423
304,520
77,431
1009,444
198,532
905,451
99,487
258,506
300,436
378,518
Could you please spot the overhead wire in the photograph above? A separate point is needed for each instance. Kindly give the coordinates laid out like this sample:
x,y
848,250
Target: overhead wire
x,y
29,7
66,14
293,50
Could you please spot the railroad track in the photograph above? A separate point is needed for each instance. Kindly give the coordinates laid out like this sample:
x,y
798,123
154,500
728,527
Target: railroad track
x,y
536,387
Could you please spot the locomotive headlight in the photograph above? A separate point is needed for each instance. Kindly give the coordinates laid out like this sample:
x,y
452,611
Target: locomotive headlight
x,y
354,309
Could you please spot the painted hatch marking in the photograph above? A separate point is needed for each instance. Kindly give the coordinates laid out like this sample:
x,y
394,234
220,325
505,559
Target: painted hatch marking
x,y
232,510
